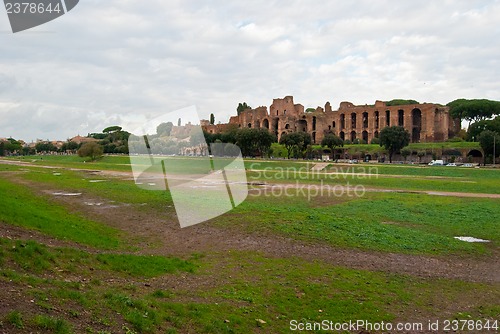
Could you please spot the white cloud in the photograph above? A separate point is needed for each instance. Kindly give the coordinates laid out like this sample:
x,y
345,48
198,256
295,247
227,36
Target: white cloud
x,y
110,62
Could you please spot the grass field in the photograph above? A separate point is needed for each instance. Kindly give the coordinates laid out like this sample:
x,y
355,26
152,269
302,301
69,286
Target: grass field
x,y
70,267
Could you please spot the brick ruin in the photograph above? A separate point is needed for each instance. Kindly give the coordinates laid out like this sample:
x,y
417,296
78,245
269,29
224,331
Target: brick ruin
x,y
426,122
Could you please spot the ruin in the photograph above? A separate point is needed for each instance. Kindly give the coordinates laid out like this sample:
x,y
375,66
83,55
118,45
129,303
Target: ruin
x,y
426,122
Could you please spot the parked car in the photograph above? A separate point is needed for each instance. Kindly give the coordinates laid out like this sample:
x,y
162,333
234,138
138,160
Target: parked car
x,y
469,165
451,164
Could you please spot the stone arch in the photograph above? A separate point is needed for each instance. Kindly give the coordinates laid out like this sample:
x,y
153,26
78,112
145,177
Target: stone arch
x,y
387,118
375,134
353,120
302,125
342,135
314,123
342,121
475,154
353,136
265,123
333,124
249,125
416,121
314,137
287,126
275,125
377,119
365,136
365,120
401,117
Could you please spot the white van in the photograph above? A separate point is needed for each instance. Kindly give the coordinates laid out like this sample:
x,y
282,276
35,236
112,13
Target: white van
x,y
436,163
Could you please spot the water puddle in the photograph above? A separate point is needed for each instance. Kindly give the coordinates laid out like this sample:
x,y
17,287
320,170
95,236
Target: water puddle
x,y
67,194
471,239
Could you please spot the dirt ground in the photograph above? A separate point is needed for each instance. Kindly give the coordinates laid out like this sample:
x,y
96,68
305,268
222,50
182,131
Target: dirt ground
x,y
159,233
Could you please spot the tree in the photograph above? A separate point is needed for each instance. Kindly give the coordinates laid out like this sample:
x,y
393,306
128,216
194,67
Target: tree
x,y
296,143
196,137
421,154
179,122
332,141
45,147
393,139
400,102
69,146
405,152
474,110
264,141
91,150
164,129
112,129
212,119
476,128
490,143
310,110
242,107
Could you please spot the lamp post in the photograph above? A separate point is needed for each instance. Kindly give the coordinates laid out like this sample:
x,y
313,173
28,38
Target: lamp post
x,y
494,147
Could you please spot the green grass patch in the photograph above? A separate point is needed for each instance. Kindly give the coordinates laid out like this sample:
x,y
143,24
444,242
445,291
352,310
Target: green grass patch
x,y
21,207
33,257
55,325
15,318
145,266
407,223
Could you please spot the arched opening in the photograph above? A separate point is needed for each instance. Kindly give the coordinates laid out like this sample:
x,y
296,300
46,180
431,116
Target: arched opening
x,y
314,137
342,135
353,121
353,136
387,118
265,123
377,116
287,126
249,125
302,125
475,156
284,112
275,125
333,124
365,120
365,136
375,134
401,118
314,123
416,120
342,121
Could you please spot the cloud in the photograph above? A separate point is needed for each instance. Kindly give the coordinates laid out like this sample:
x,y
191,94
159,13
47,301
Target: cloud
x,y
123,62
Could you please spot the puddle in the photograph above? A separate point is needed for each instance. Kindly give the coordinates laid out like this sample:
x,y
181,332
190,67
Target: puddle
x,y
471,239
67,194
93,204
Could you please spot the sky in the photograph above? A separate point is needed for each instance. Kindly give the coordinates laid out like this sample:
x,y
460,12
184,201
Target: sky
x,y
124,62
